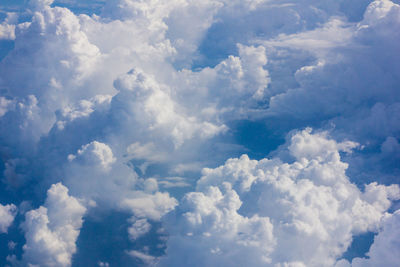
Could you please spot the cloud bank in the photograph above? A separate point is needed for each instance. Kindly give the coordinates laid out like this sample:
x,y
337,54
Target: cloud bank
x,y
148,110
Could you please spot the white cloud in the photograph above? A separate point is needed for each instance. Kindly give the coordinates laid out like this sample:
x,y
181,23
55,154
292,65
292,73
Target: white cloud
x,y
40,4
4,105
51,230
384,250
7,215
138,228
74,62
150,105
96,175
146,151
79,115
54,56
302,213
95,153
170,182
149,206
331,68
143,257
341,77
7,31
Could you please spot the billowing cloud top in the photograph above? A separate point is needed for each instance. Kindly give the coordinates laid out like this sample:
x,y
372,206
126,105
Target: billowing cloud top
x,y
273,212
205,133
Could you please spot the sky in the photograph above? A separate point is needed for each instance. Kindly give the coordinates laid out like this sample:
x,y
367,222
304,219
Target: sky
x,y
199,133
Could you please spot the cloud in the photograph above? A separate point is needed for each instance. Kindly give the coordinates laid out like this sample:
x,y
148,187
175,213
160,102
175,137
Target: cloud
x,y
68,85
7,215
150,106
60,56
4,105
333,64
138,228
169,182
95,153
151,206
274,212
40,4
126,106
385,246
94,173
342,80
144,258
7,31
51,230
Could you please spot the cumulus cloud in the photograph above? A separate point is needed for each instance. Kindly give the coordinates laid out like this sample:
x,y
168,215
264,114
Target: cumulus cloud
x,y
7,215
150,105
95,153
60,56
127,105
340,78
51,230
95,174
327,73
302,212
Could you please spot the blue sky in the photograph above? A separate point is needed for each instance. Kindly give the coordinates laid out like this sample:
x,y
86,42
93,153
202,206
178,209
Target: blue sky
x,y
202,133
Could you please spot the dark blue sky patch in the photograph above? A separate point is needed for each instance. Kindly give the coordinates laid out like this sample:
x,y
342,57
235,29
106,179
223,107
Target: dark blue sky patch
x,y
359,246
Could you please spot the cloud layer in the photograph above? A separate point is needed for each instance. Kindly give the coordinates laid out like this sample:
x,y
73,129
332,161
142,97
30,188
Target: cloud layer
x,y
146,108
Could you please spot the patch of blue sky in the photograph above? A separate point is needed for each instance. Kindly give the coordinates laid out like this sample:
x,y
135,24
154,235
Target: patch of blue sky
x,y
88,7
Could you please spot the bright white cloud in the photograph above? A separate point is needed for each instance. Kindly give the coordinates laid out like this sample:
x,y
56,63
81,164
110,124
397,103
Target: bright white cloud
x,y
90,100
52,230
149,105
271,212
95,153
94,173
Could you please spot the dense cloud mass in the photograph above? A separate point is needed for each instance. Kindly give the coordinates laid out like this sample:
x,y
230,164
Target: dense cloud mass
x,y
272,212
205,133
